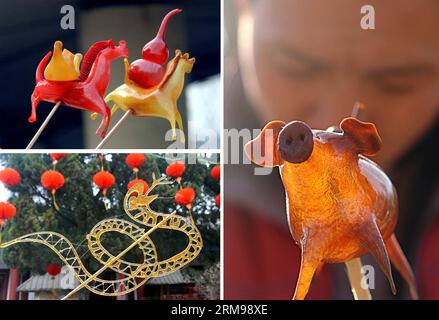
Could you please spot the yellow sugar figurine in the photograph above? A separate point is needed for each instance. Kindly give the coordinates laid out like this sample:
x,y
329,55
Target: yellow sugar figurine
x,y
159,101
64,65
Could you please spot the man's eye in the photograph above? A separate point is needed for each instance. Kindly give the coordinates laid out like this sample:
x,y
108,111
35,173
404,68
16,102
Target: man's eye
x,y
395,88
303,74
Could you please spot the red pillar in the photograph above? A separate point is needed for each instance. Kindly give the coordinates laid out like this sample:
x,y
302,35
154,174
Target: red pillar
x,y
141,292
13,284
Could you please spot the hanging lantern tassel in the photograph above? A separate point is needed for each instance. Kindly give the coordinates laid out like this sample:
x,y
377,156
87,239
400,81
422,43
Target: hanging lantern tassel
x,y
55,205
189,207
104,193
179,182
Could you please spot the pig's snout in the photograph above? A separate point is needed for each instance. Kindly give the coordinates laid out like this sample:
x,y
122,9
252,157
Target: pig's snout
x,y
295,142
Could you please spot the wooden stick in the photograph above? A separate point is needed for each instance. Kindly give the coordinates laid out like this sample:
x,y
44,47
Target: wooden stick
x,y
358,108
120,255
43,126
113,130
355,275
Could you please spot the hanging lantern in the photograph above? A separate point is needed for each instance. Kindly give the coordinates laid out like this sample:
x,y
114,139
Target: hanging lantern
x,y
218,200
10,177
185,197
104,180
53,270
136,181
57,156
175,170
135,160
216,173
7,211
52,180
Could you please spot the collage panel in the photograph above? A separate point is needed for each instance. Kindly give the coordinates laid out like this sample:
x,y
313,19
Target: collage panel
x,y
331,114
218,158
110,226
111,74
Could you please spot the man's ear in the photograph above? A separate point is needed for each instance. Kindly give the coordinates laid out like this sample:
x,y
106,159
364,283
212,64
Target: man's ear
x,y
263,150
364,135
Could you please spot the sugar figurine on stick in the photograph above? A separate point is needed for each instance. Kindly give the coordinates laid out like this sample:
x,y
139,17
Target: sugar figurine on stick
x,y
150,89
63,82
340,204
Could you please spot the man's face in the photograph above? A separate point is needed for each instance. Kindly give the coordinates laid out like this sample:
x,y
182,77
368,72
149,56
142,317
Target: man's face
x,y
311,61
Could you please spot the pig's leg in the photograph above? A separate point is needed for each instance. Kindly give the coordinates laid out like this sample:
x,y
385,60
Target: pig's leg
x,y
400,262
310,262
371,238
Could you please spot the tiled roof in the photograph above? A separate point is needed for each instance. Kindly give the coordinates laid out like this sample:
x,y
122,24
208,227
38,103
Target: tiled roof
x,y
176,277
46,283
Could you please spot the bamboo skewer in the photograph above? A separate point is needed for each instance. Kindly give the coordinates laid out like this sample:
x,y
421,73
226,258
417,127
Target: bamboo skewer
x,y
113,130
358,108
354,267
116,258
43,126
355,275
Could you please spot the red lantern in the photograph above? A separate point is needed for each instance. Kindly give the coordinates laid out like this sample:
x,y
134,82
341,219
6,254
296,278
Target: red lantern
x,y
57,156
53,270
104,180
52,180
136,181
7,211
176,169
10,177
184,197
218,200
135,160
216,173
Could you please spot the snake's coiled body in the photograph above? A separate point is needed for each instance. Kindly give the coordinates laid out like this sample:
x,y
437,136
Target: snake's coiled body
x,y
133,274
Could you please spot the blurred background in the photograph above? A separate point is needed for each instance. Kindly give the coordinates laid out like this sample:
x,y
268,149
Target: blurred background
x,y
28,29
312,61
25,270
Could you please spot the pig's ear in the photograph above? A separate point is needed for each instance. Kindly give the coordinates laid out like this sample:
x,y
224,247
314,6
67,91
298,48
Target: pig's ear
x,y
263,150
364,135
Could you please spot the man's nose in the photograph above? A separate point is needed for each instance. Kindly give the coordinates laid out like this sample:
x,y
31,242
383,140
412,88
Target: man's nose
x,y
335,102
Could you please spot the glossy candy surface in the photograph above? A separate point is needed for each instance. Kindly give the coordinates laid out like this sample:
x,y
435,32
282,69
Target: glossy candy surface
x,y
341,205
87,91
64,65
160,101
149,71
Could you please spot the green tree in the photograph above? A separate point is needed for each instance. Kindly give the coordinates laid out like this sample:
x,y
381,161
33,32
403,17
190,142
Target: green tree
x,y
81,206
